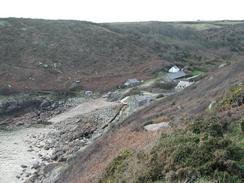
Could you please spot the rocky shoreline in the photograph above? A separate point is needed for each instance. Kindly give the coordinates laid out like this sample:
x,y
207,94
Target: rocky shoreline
x,y
67,138
61,129
26,134
52,145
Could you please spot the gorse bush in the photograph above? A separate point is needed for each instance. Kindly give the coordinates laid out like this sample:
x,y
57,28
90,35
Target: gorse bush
x,y
209,149
116,166
202,148
234,97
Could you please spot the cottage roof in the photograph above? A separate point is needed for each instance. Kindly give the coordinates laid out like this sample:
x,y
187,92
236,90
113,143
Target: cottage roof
x,y
176,75
175,67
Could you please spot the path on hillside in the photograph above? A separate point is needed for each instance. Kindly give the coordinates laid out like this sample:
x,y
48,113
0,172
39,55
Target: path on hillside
x,y
84,108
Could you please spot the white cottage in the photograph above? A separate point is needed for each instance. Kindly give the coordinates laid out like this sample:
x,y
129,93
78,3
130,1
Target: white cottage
x,y
174,69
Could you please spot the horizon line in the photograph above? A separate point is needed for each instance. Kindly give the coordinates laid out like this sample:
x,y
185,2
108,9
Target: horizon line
x,y
138,21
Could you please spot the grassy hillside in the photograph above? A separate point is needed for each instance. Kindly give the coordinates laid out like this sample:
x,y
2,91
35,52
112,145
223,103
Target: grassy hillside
x,y
54,54
209,149
186,43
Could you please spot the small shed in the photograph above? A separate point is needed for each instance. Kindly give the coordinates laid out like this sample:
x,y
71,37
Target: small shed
x,y
132,82
174,69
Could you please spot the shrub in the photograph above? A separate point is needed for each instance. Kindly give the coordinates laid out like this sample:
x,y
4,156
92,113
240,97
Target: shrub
x,y
233,98
116,167
207,124
209,148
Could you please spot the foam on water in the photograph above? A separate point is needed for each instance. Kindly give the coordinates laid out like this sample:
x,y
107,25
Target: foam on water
x,y
14,153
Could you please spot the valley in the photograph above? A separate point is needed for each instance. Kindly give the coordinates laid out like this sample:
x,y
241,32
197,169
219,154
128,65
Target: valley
x,y
85,102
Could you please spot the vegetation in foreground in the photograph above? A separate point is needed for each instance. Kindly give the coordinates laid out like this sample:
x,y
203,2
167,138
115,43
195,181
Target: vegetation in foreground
x,y
209,149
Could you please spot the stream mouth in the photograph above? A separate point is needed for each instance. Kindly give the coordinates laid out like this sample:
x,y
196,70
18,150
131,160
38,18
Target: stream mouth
x,y
15,154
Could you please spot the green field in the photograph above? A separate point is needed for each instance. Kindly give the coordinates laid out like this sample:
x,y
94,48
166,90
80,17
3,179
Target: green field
x,y
196,72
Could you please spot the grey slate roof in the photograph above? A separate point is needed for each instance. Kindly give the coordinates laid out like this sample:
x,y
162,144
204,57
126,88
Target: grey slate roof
x,y
176,75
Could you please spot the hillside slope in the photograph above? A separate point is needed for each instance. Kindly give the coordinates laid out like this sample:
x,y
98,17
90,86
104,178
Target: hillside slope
x,y
65,54
176,109
204,121
52,55
192,44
